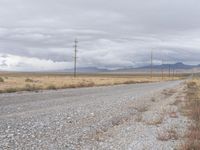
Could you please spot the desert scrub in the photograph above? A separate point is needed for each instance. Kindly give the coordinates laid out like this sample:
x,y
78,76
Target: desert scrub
x,y
169,134
29,80
10,90
26,88
29,87
1,79
51,87
193,112
18,81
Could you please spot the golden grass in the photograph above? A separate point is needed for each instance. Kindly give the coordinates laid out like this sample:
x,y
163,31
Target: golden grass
x,y
193,111
40,81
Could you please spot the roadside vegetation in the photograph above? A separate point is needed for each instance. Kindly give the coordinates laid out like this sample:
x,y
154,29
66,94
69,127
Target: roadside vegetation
x,y
29,80
192,110
14,82
1,79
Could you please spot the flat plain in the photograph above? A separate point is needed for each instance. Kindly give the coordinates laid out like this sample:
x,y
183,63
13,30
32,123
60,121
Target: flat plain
x,y
14,82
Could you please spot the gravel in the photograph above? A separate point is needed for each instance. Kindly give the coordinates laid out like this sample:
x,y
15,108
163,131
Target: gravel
x,y
89,118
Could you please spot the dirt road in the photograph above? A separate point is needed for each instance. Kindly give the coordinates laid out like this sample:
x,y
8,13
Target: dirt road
x,y
115,117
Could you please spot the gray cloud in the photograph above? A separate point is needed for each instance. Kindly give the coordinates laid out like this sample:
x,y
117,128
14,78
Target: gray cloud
x,y
112,34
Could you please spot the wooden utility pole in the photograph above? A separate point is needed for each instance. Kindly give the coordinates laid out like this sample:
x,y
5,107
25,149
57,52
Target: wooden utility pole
x,y
162,70
169,70
75,56
151,64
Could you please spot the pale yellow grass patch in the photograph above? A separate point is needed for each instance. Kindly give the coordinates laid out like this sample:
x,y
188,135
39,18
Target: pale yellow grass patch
x,y
27,82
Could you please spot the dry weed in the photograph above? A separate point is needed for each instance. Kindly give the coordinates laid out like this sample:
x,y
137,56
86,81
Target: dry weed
x,y
193,111
167,135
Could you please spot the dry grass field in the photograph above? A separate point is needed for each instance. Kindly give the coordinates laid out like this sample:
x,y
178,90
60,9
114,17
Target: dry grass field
x,y
13,82
193,112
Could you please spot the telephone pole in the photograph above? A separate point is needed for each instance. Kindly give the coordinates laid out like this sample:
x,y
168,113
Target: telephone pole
x,y
169,70
75,55
162,70
151,64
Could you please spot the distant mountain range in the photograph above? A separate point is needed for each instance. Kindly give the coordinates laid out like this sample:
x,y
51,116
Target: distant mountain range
x,y
88,70
177,66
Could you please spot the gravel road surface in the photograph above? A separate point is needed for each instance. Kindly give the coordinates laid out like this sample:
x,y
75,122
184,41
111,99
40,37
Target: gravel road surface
x,y
85,118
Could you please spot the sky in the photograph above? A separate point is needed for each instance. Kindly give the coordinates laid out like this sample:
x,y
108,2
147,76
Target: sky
x,y
38,35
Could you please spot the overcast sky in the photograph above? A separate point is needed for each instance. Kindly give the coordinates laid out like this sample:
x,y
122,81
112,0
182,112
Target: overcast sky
x,y
39,34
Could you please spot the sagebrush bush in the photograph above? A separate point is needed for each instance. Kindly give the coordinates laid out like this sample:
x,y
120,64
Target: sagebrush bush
x,y
29,80
29,87
1,79
51,87
11,90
